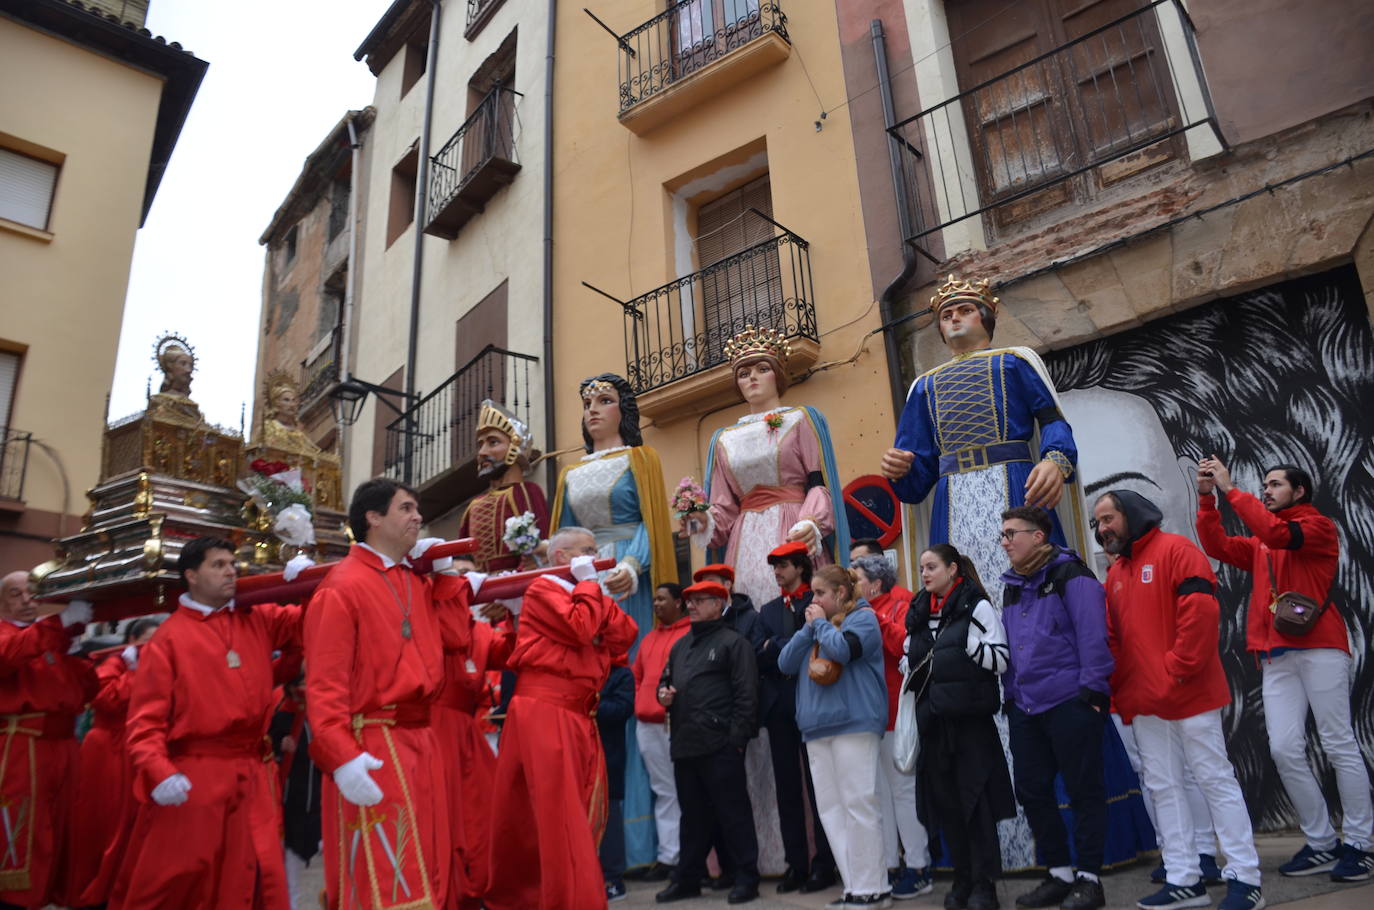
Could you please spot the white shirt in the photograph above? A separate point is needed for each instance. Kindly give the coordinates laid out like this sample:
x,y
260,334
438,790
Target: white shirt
x,y
186,601
387,561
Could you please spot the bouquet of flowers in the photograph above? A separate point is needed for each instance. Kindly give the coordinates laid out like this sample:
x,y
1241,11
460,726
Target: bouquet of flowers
x,y
773,420
278,490
522,534
689,498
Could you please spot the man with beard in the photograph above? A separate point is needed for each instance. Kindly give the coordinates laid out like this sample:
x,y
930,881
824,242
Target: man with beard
x,y
503,456
1296,548
1163,626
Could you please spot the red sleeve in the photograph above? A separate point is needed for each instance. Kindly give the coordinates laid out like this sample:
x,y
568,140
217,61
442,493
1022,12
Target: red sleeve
x,y
19,646
502,644
283,623
1314,534
572,620
452,598
150,714
894,629
114,685
637,668
620,629
331,634
1197,626
1236,551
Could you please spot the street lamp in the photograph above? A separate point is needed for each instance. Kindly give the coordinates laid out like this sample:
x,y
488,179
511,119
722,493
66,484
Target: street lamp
x,y
350,394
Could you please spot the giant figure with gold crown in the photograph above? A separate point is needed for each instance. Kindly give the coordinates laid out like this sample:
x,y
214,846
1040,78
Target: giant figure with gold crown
x,y
504,445
985,431
616,491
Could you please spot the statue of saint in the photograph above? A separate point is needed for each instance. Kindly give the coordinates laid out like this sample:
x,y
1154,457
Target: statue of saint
x,y
176,359
281,425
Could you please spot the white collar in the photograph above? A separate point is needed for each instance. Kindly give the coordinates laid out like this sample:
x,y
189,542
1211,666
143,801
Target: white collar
x,y
567,585
19,623
387,561
751,418
604,452
186,601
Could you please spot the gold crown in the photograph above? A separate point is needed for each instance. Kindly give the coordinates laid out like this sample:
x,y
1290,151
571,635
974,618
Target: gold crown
x,y
595,387
494,417
169,344
754,342
956,291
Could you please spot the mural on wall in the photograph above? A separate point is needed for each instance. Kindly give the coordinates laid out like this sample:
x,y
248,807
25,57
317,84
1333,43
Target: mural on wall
x,y
1283,374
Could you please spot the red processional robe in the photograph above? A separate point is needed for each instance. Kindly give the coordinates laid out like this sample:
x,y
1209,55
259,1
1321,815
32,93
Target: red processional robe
x,y
201,704
485,521
469,763
104,804
375,637
551,772
41,692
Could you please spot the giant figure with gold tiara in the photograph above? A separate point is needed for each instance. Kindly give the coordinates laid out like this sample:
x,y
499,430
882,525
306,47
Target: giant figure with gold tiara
x,y
504,445
985,431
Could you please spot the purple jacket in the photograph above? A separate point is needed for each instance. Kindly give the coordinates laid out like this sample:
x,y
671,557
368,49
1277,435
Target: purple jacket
x,y
1058,644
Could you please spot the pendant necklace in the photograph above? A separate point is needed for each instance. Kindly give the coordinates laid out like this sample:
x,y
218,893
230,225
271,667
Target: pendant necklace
x,y
231,657
404,608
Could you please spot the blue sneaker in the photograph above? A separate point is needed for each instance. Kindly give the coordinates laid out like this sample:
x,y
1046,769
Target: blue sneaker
x,y
1172,897
1211,872
1240,896
1355,865
909,883
1308,861
1159,875
615,891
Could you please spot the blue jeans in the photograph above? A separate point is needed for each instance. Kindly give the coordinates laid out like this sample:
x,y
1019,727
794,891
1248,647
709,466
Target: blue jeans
x,y
612,850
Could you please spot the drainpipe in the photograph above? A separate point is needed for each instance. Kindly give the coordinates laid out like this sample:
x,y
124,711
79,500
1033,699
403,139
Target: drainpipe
x,y
350,283
899,284
550,394
421,211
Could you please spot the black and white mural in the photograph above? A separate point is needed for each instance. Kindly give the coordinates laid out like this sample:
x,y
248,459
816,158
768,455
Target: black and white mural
x,y
1283,374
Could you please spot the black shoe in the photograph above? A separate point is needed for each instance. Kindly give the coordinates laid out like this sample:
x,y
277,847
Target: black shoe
x,y
957,898
1049,893
743,894
792,880
1086,895
821,879
658,872
983,896
677,891
721,882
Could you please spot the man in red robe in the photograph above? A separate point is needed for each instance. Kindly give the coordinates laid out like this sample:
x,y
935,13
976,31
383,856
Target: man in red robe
x,y
41,692
375,637
551,772
503,457
208,829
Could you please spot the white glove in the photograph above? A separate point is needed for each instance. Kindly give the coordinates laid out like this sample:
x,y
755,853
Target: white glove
x,y
172,791
296,566
355,784
512,605
130,655
78,611
475,579
583,567
423,544
810,531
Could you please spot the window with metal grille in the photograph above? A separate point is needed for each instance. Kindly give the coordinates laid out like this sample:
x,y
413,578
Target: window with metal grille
x,y
740,285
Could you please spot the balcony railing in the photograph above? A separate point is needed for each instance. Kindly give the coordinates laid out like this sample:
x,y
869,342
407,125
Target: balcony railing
x,y
681,328
437,434
14,462
479,13
473,165
320,372
1110,93
685,38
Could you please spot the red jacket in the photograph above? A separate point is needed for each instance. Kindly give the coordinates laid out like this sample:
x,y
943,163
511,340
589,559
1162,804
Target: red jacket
x,y
648,669
891,609
1163,625
1305,549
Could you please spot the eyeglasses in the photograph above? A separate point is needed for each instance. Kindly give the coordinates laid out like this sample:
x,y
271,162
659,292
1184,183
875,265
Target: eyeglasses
x,y
1010,533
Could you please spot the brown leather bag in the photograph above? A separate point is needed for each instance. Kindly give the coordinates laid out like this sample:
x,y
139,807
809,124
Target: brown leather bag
x,y
822,670
1295,614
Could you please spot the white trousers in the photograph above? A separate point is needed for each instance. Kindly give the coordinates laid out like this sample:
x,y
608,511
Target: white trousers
x,y
844,769
1167,747
1204,834
1317,679
295,870
897,802
653,746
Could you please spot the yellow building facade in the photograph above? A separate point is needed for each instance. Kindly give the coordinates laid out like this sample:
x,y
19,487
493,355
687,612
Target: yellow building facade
x,y
697,183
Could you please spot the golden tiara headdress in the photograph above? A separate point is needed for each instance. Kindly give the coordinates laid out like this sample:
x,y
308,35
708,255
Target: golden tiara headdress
x,y
595,387
957,291
494,417
754,342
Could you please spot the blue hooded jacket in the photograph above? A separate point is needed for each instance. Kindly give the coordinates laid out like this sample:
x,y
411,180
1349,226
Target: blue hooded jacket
x,y
857,701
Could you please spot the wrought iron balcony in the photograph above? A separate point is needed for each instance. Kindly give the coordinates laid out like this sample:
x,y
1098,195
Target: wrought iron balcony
x,y
434,439
320,371
1126,88
14,462
687,38
473,165
479,13
681,328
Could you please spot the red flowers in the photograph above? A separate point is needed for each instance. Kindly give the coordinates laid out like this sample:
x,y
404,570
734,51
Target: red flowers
x,y
268,468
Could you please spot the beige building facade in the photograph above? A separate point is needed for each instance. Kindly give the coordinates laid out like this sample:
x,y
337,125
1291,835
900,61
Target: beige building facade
x,y
90,115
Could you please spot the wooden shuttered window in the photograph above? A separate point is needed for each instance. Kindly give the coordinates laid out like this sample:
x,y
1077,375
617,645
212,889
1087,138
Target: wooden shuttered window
x,y
26,189
745,285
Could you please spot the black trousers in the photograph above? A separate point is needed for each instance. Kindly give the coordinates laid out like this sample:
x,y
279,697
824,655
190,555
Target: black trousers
x,y
1065,740
713,793
790,769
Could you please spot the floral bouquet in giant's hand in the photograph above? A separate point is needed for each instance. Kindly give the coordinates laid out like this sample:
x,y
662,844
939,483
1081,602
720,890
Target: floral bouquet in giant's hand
x,y
689,502
278,489
522,534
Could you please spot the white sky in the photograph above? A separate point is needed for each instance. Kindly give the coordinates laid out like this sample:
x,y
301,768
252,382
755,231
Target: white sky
x,y
281,75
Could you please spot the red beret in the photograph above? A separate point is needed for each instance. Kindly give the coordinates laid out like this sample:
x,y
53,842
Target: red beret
x,y
716,568
791,548
706,589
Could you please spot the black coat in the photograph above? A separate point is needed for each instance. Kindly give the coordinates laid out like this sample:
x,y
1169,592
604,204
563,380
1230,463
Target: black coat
x,y
777,690
717,681
301,795
617,706
741,616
